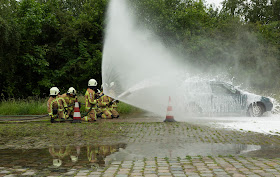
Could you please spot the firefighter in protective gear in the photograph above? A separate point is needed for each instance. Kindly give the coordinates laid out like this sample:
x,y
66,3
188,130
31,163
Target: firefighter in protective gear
x,y
70,98
104,151
114,103
104,103
56,105
92,153
100,94
59,154
113,106
74,155
91,97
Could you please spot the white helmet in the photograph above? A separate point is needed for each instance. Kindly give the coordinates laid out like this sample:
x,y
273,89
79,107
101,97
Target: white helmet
x,y
92,82
54,91
74,158
57,162
57,89
112,84
71,90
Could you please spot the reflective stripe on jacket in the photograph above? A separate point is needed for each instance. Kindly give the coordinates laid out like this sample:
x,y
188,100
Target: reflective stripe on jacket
x,y
90,99
56,103
103,101
69,100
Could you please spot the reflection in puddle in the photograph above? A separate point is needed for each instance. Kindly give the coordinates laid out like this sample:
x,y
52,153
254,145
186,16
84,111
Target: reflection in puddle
x,y
61,158
139,151
266,151
58,156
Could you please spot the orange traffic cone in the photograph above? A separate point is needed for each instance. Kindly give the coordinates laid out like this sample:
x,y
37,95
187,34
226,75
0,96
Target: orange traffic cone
x,y
169,116
77,114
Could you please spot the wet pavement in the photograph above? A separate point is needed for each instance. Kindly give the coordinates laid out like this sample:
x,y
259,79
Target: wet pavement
x,y
149,147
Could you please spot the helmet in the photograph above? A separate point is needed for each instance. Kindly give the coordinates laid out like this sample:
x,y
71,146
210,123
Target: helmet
x,y
54,91
57,89
74,158
57,162
71,90
92,82
112,84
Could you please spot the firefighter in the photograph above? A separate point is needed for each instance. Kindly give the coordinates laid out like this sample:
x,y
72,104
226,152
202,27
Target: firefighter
x,y
75,154
70,98
98,110
56,105
104,151
58,154
104,103
113,103
91,97
92,153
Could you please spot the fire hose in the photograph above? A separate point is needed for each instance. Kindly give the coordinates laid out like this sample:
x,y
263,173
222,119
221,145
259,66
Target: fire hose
x,y
8,120
33,118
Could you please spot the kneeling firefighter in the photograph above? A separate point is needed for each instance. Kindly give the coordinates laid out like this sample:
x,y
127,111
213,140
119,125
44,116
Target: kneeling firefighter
x,y
56,105
104,103
113,106
70,98
58,154
91,97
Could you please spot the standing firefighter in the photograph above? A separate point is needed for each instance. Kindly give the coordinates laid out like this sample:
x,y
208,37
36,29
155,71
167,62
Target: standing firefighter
x,y
91,97
70,98
104,103
56,105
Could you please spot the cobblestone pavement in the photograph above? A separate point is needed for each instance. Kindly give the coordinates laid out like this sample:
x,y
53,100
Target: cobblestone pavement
x,y
190,166
159,149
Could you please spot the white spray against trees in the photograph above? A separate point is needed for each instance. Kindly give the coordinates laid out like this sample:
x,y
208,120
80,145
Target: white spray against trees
x,y
144,72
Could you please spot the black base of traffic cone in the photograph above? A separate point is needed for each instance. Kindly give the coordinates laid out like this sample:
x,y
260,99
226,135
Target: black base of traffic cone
x,y
76,121
169,120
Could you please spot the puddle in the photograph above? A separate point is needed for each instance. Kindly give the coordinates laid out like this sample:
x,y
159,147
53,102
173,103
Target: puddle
x,y
59,159
161,150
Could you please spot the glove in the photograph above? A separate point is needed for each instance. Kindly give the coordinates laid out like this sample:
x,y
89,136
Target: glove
x,y
65,111
52,119
117,101
110,103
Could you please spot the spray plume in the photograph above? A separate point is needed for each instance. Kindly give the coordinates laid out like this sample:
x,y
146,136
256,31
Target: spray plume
x,y
144,72
138,69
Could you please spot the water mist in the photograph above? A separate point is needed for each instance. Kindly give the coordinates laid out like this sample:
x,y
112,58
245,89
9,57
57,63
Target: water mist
x,y
139,70
143,70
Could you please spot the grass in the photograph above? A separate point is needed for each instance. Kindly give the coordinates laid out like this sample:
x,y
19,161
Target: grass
x,y
61,133
34,106
124,108
38,106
